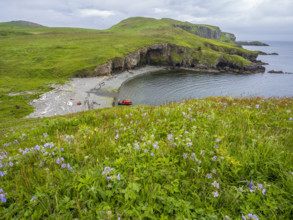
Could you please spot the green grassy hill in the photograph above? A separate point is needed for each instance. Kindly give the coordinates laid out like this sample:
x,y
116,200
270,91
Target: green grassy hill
x,y
33,58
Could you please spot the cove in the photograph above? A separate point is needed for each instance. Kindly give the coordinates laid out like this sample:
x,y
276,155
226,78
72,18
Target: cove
x,y
167,86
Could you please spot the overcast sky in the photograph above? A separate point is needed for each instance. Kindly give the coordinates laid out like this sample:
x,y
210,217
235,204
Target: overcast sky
x,y
247,19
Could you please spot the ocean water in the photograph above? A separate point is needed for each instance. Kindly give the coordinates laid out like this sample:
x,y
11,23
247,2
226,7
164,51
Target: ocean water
x,y
283,61
165,86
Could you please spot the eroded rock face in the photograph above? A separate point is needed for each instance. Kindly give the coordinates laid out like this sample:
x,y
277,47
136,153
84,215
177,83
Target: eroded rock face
x,y
230,35
166,54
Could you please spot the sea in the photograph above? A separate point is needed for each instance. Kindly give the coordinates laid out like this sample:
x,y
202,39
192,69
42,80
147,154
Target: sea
x,y
167,86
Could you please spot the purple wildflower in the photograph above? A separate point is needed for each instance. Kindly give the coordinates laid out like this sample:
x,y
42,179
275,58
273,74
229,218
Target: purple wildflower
x,y
63,165
214,158
218,140
189,144
215,184
107,170
209,175
37,147
259,186
58,161
45,135
202,152
170,137
10,164
215,194
185,155
2,173
156,145
264,192
118,176
69,167
243,217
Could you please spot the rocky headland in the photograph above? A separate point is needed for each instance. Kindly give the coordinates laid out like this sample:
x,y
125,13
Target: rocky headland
x,y
251,43
170,55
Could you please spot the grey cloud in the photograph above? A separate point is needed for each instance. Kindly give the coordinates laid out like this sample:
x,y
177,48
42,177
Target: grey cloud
x,y
247,18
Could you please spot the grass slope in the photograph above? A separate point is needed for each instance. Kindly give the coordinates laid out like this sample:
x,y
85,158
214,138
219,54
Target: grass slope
x,y
33,58
212,158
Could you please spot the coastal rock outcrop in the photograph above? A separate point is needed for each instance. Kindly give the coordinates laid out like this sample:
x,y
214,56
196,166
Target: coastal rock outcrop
x,y
170,55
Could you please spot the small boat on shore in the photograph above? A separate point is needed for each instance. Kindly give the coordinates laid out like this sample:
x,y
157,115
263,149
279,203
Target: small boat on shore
x,y
124,102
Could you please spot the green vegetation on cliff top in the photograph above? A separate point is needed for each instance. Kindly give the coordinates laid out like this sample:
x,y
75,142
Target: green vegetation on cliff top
x,y
33,58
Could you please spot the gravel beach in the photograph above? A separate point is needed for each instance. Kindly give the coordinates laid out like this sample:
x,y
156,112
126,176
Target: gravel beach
x,y
92,93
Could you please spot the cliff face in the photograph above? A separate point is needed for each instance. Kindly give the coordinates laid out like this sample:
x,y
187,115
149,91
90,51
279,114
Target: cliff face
x,y
210,32
170,55
202,31
230,36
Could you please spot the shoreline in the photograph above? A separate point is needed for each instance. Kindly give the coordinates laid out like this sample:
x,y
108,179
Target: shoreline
x,y
93,93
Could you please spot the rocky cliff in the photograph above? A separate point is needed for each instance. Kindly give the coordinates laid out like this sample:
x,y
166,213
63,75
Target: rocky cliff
x,y
208,31
170,55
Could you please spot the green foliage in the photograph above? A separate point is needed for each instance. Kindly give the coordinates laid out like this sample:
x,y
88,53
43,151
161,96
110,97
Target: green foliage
x,y
160,162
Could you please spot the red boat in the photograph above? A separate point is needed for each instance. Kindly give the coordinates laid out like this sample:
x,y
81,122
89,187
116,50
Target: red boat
x,y
124,102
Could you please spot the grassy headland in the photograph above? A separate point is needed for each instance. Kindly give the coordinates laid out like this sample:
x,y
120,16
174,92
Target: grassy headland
x,y
33,58
199,159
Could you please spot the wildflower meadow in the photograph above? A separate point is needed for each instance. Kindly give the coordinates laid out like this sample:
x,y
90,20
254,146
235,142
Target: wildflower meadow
x,y
212,158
